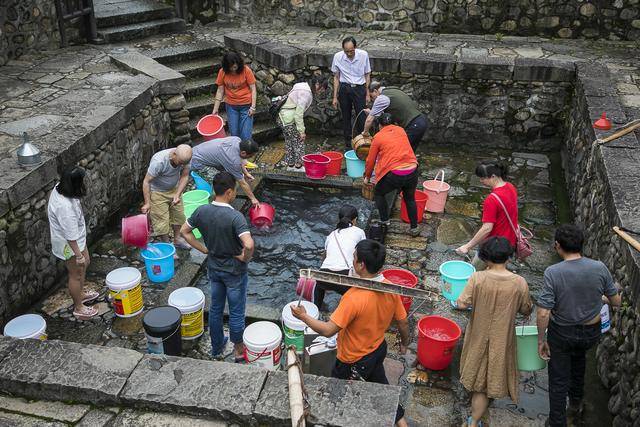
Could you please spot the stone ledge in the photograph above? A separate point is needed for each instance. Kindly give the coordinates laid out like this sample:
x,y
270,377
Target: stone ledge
x,y
484,68
543,70
58,370
384,60
333,402
281,56
198,387
169,80
243,42
433,64
320,56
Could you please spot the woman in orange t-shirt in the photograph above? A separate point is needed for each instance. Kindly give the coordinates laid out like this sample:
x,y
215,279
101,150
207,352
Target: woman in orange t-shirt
x,y
237,86
396,168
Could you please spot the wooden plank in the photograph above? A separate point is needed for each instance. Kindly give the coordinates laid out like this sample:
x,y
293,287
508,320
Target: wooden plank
x,y
372,285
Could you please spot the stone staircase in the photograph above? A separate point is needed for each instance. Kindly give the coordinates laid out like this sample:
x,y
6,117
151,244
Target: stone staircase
x,y
123,20
200,63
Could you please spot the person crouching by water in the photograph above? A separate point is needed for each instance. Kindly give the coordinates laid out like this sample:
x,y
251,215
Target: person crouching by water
x,y
569,305
229,246
396,168
361,319
339,247
69,237
494,218
291,119
488,366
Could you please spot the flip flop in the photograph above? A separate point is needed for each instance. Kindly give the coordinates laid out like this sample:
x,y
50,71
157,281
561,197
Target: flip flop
x,y
86,313
470,419
90,296
239,359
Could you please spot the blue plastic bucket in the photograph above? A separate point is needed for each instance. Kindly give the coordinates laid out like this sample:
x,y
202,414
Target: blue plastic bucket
x,y
159,262
454,275
355,166
201,183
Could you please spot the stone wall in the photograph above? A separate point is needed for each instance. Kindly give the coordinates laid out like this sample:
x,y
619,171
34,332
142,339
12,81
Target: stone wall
x,y
493,102
602,182
612,19
27,25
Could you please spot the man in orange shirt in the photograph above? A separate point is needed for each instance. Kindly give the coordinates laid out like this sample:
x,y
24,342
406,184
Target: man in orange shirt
x,y
361,319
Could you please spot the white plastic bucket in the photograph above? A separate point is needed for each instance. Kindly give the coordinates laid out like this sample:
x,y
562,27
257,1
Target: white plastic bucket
x,y
262,344
190,302
605,319
27,326
294,328
125,291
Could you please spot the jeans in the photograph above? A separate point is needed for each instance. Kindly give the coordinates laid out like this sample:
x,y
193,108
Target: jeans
x,y
568,345
415,130
369,368
351,98
322,287
405,183
240,123
226,287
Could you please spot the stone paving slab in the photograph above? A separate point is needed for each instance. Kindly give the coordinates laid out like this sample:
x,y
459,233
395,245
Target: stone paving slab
x,y
6,345
16,420
97,418
215,389
42,408
157,419
333,402
58,370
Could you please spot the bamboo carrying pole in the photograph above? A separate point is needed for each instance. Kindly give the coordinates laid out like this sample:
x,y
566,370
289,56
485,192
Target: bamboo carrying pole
x,y
625,130
296,400
630,240
372,285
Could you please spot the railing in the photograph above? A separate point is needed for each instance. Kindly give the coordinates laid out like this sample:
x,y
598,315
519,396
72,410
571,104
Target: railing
x,y
71,9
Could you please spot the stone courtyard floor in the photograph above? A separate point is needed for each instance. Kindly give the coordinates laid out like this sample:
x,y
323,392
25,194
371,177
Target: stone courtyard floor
x,y
45,94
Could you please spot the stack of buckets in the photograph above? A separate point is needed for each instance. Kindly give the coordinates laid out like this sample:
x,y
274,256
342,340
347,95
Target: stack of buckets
x,y
191,200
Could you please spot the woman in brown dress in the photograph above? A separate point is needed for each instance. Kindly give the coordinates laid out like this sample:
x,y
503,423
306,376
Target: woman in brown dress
x,y
488,363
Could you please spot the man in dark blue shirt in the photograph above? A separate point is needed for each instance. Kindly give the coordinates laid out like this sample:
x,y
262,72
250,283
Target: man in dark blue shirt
x,y
229,246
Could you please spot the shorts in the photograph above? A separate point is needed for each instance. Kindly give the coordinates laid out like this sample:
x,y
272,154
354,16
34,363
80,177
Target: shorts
x,y
163,214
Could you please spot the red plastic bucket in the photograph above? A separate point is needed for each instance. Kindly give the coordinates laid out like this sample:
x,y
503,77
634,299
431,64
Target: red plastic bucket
x,y
421,202
315,165
262,216
402,277
437,339
135,230
335,162
306,287
211,127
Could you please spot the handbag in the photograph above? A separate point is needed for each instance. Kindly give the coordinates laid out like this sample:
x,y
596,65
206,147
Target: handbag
x,y
276,105
349,267
523,247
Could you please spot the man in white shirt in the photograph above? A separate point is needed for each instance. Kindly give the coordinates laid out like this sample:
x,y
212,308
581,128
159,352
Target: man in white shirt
x,y
351,77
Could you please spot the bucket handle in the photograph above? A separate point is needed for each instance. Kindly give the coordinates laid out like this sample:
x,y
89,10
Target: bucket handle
x,y
355,122
171,334
246,355
441,180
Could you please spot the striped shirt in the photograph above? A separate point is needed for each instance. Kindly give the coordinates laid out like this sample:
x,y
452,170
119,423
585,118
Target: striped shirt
x,y
351,71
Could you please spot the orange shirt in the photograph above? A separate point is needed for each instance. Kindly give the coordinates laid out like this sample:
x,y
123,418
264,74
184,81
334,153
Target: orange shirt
x,y
364,316
236,86
392,150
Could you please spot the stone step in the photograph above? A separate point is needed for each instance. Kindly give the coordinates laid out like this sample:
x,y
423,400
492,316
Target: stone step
x,y
117,14
201,86
187,52
200,106
199,67
141,30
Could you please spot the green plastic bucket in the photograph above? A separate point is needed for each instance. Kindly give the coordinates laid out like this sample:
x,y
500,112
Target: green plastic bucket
x,y
195,197
294,328
188,211
527,349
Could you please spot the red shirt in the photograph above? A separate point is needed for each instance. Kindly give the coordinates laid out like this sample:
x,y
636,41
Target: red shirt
x,y
390,150
493,212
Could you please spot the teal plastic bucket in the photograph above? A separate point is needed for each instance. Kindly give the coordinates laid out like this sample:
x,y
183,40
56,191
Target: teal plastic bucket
x,y
158,261
201,183
454,275
527,349
355,166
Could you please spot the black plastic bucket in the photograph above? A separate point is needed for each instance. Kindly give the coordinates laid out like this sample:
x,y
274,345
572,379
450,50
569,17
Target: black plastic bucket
x,y
162,329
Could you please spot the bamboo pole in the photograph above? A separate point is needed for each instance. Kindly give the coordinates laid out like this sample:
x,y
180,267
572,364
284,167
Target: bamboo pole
x,y
630,240
623,132
372,285
296,401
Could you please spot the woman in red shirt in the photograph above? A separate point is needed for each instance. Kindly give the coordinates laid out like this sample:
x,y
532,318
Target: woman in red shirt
x,y
396,168
494,219
237,86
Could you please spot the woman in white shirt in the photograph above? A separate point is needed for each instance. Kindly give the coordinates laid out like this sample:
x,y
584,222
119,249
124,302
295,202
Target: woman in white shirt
x,y
69,237
339,247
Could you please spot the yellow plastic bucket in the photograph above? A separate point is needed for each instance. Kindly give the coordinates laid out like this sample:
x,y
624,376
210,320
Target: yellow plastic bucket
x,y
27,326
125,291
190,302
437,190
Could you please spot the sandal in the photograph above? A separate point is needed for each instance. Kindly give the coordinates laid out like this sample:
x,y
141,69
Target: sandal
x,y
90,296
470,420
239,359
86,313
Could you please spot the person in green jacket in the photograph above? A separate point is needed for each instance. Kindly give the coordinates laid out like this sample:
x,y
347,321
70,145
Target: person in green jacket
x,y
291,119
400,105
